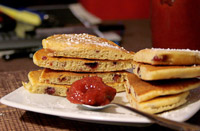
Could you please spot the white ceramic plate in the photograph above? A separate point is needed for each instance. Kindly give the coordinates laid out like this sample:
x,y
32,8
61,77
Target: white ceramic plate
x,y
59,106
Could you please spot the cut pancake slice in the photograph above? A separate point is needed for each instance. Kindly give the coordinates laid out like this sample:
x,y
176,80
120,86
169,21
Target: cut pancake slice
x,y
65,77
156,56
41,59
150,72
159,104
144,91
85,46
34,86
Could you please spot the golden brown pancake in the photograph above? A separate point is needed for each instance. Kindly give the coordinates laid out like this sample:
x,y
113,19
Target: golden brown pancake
x,y
85,46
157,56
144,91
41,59
35,86
150,72
159,104
66,77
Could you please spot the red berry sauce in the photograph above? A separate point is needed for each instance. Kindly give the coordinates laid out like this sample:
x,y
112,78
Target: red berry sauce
x,y
90,91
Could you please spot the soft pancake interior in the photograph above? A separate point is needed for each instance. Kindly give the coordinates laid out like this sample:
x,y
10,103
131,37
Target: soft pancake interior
x,y
150,72
158,104
41,59
66,77
34,86
143,90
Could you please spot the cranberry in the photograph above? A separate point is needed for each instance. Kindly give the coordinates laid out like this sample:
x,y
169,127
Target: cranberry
x,y
115,63
92,65
129,91
62,79
116,77
156,58
47,81
44,57
138,72
50,90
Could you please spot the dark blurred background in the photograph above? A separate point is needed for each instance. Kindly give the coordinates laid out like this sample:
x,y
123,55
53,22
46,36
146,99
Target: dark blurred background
x,y
25,3
124,22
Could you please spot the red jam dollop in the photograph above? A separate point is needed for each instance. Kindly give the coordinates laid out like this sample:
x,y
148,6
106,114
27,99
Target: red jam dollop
x,y
90,91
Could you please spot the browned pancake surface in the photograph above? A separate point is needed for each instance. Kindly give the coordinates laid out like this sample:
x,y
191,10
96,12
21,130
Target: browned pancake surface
x,y
151,72
148,90
157,56
85,46
41,59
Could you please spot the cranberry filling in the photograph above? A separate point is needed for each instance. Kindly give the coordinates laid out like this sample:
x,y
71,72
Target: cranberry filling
x,y
129,91
47,81
92,65
50,90
156,58
138,72
116,77
44,57
62,79
115,63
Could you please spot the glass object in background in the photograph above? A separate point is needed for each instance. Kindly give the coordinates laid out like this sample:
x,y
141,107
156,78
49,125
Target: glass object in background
x,y
176,24
118,9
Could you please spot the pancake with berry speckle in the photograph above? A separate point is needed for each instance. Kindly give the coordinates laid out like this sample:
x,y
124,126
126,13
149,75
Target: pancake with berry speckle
x,y
157,56
36,86
160,72
41,58
146,90
66,77
158,96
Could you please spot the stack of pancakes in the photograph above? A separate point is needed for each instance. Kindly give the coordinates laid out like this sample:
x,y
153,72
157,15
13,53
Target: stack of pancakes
x,y
162,78
66,58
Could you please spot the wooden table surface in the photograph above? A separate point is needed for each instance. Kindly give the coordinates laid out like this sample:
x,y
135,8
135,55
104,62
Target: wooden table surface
x,y
12,73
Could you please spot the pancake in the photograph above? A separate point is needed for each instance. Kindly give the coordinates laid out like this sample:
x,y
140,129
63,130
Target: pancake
x,y
156,56
41,59
144,91
150,72
65,77
159,104
85,46
35,86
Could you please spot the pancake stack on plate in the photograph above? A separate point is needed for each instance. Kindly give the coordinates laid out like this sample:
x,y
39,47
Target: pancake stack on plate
x,y
66,58
162,78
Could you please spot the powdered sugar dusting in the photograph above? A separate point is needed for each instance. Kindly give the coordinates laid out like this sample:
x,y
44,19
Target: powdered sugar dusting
x,y
74,39
168,49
